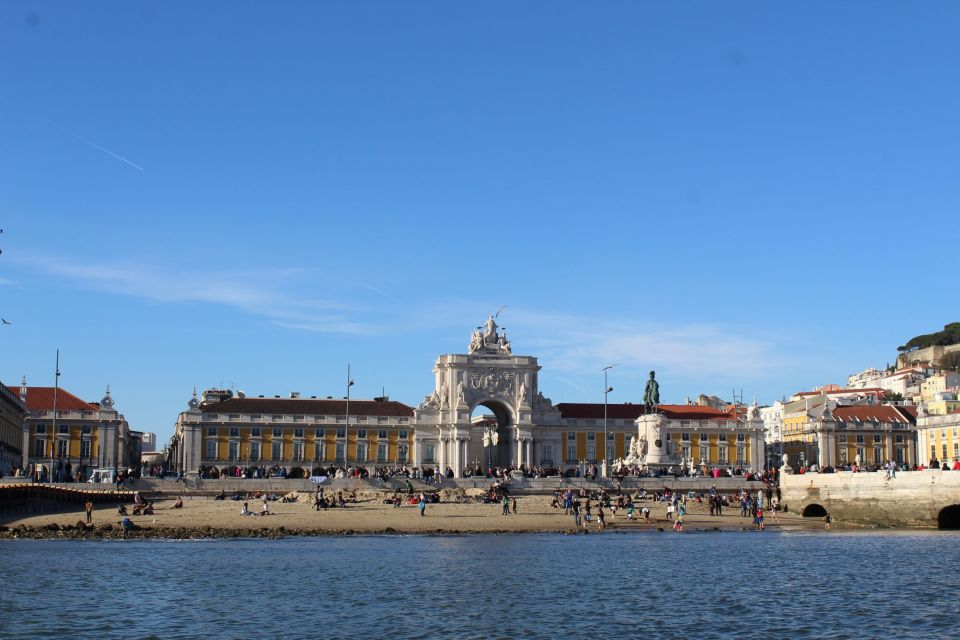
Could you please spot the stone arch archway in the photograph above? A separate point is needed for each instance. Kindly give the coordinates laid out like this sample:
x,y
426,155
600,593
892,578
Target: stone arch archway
x,y
500,453
814,511
949,517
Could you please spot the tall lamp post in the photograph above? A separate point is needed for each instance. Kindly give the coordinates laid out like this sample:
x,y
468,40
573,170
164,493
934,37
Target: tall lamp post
x,y
53,431
346,431
606,391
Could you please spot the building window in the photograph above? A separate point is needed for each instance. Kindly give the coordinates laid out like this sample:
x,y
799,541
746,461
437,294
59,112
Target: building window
x,y
277,451
255,432
298,433
85,429
859,438
63,428
956,451
403,453
685,453
591,435
860,452
41,428
298,451
403,435
85,448
319,433
255,450
547,454
319,451
361,452
705,453
610,436
381,453
899,438
571,454
362,434
591,453
843,438
876,437
685,437
234,432
382,434
211,431
722,454
610,451
843,456
278,433
876,456
211,449
571,435
944,449
933,451
741,437
339,452
233,450
39,448
341,433
899,455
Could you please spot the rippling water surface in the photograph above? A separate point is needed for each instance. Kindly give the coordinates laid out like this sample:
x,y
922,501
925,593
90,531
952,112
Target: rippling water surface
x,y
658,585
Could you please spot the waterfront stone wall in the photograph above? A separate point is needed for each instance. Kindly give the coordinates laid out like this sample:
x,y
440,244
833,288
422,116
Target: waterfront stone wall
x,y
912,499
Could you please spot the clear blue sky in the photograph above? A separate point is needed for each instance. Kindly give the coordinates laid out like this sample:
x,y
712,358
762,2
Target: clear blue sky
x,y
760,196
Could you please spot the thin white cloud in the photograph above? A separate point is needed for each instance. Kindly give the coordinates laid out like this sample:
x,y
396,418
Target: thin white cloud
x,y
277,294
5,282
586,344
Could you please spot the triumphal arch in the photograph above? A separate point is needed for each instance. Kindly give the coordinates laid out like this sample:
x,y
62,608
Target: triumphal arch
x,y
489,375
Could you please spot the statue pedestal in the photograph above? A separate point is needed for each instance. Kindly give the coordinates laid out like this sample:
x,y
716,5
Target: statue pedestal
x,y
651,429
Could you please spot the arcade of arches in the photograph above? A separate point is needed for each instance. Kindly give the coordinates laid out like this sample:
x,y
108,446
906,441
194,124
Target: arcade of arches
x,y
486,408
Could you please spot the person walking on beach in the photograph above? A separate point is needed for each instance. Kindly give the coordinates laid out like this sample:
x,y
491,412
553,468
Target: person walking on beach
x,y
760,518
670,511
422,504
506,505
575,509
514,505
88,508
827,519
601,525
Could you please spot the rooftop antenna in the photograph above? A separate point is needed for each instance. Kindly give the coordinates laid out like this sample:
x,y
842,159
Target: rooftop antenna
x,y
737,400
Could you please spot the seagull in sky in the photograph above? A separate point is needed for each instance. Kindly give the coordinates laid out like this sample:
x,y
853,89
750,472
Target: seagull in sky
x,y
4,321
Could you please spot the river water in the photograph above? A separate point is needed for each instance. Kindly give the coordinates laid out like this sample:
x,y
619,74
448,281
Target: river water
x,y
649,584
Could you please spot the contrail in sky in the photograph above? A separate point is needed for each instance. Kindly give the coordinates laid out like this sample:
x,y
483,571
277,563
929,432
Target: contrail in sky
x,y
383,293
96,146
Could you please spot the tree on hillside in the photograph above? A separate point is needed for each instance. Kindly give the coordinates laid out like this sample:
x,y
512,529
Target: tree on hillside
x,y
950,361
890,396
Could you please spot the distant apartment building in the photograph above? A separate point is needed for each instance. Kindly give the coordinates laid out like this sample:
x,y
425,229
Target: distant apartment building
x,y
12,416
772,417
938,438
865,378
82,436
149,441
817,430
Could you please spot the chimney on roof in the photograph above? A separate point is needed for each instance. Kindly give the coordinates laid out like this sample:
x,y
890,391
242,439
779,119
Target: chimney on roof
x,y
381,399
294,395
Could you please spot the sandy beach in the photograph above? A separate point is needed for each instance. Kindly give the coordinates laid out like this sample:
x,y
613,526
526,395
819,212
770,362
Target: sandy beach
x,y
204,516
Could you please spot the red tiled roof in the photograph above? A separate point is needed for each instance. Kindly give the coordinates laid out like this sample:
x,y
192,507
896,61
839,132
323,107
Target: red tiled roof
x,y
303,406
634,411
41,399
866,412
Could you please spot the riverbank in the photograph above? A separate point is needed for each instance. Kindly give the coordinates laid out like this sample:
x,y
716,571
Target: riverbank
x,y
203,517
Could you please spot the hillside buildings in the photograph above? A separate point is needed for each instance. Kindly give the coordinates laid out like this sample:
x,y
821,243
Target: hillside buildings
x,y
12,414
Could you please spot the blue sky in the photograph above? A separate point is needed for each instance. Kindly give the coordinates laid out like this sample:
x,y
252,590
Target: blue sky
x,y
756,196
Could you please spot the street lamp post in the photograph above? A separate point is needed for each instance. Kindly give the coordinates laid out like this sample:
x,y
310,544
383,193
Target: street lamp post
x,y
346,431
606,390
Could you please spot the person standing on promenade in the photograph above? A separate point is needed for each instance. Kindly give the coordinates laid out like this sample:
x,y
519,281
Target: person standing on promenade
x,y
422,504
760,518
506,505
575,509
670,511
827,519
601,525
88,508
514,505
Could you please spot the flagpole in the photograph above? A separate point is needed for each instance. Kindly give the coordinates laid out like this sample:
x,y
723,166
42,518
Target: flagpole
x,y
53,431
